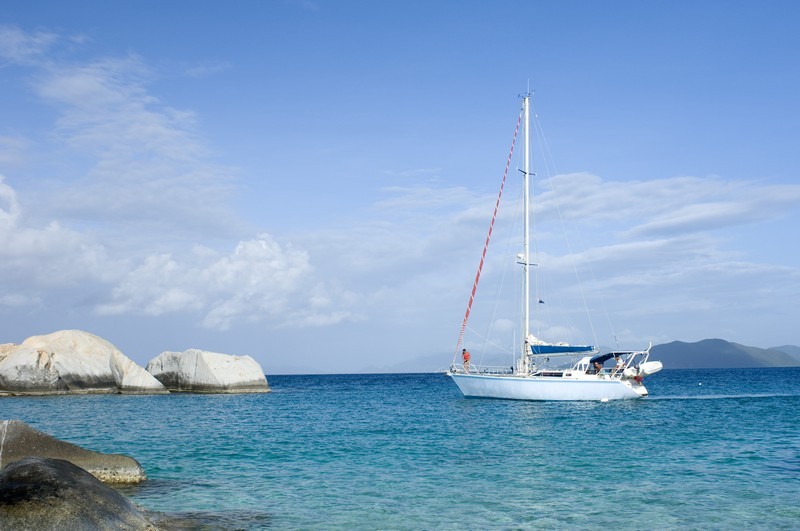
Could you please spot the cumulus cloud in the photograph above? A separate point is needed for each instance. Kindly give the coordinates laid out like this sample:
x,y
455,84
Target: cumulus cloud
x,y
47,255
260,280
135,176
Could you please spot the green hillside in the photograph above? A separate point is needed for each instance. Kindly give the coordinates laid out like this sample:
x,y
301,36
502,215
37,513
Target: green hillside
x,y
791,350
718,353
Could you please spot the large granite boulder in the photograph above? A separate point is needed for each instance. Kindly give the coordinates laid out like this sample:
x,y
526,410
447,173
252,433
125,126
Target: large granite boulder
x,y
19,441
71,361
40,494
199,371
5,348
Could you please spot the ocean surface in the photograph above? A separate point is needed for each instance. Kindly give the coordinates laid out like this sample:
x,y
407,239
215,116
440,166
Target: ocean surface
x,y
709,449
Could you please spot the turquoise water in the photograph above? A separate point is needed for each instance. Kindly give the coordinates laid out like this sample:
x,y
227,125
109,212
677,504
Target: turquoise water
x,y
710,449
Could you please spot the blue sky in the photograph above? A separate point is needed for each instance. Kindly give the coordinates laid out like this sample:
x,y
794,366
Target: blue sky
x,y
310,182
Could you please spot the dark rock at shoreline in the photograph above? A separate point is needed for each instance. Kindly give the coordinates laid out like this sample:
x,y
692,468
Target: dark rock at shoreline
x,y
42,494
19,441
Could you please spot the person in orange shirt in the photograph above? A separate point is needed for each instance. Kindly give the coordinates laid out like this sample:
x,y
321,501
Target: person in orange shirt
x,y
465,356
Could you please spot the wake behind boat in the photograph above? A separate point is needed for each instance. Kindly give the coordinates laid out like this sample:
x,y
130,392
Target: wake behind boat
x,y
534,376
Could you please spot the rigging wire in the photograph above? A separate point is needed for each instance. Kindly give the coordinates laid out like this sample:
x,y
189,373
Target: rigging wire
x,y
486,244
499,287
551,170
488,341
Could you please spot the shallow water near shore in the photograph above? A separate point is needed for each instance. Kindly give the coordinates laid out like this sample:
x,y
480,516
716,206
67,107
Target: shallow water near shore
x,y
709,449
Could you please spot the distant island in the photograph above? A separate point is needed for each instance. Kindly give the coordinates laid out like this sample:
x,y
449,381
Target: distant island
x,y
705,354
718,353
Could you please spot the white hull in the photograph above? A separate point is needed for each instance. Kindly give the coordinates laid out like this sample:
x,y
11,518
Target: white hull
x,y
546,388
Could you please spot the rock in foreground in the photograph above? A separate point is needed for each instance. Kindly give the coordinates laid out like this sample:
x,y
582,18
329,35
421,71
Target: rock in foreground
x,y
71,361
199,371
42,494
19,441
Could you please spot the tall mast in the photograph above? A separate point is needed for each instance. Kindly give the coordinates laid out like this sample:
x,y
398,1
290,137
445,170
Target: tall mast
x,y
526,228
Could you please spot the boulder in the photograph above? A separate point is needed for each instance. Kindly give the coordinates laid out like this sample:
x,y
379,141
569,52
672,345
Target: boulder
x,y
199,371
19,441
39,493
5,348
71,361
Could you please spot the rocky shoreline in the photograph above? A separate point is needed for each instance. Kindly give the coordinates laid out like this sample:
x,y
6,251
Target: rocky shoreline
x,y
18,441
46,483
38,493
77,362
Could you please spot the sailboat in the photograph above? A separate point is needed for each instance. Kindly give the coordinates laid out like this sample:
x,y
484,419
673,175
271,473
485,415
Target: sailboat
x,y
532,377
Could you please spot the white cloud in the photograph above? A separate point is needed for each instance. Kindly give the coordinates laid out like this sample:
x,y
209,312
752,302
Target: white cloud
x,y
19,300
19,47
733,204
259,281
207,69
9,212
107,110
47,255
12,149
579,195
308,5
122,154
